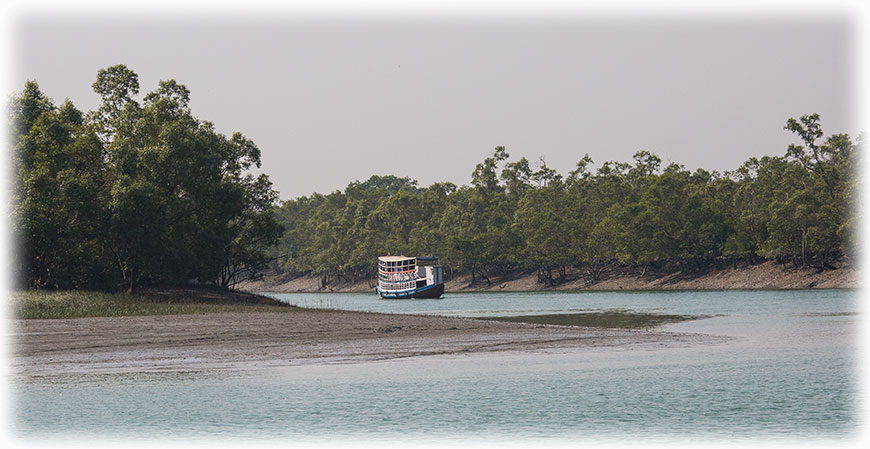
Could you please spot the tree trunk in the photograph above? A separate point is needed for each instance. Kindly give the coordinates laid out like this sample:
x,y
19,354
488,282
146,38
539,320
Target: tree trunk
x,y
804,246
597,270
545,274
484,276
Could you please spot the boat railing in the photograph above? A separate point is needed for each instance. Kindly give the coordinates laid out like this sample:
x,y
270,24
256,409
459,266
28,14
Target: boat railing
x,y
395,272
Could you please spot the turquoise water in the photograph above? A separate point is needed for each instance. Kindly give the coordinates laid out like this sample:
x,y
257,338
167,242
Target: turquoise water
x,y
789,372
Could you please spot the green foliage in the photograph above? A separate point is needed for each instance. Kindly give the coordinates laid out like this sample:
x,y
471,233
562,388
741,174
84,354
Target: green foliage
x,y
145,192
27,305
610,319
57,197
134,192
514,215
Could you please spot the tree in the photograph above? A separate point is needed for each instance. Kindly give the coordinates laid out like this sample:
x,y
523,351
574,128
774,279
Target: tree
x,y
541,221
116,85
517,177
515,216
58,194
253,232
25,108
484,177
812,217
139,193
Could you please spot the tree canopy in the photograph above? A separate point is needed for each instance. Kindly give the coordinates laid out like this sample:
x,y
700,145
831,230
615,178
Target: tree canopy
x,y
132,193
140,191
522,215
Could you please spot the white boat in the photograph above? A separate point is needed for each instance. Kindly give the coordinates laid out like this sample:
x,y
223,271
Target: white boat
x,y
403,277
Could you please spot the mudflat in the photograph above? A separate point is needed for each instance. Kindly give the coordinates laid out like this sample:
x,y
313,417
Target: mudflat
x,y
247,340
766,275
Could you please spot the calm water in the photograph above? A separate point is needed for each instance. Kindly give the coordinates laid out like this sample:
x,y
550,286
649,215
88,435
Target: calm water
x,y
789,373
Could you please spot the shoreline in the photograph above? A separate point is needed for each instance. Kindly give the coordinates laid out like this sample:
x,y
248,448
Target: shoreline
x,y
767,275
245,340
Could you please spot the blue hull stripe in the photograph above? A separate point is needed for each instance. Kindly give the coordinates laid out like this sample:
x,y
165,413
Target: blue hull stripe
x,y
403,293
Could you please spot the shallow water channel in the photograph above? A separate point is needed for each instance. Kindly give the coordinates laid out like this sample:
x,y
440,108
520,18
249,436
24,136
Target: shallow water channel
x,y
790,371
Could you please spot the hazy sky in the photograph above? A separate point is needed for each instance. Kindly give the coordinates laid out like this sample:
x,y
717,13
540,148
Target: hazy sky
x,y
330,100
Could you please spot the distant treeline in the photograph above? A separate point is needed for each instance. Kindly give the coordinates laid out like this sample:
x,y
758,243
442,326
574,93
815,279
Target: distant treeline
x,y
132,194
798,208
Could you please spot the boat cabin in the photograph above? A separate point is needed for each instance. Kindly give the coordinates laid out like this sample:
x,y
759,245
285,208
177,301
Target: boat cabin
x,y
402,276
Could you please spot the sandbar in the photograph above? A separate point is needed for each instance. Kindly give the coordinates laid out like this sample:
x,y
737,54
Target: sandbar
x,y
242,340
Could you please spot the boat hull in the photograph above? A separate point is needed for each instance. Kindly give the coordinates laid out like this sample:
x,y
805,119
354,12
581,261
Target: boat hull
x,y
435,292
426,292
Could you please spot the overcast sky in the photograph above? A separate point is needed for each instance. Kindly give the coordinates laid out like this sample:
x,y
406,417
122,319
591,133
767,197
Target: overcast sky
x,y
330,100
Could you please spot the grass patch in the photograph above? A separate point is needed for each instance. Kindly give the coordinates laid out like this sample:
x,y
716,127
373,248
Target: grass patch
x,y
824,314
81,304
611,319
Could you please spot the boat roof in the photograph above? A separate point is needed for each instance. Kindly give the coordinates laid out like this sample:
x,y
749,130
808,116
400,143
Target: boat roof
x,y
394,258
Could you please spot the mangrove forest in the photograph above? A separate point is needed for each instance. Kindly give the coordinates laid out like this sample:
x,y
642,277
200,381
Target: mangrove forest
x,y
143,192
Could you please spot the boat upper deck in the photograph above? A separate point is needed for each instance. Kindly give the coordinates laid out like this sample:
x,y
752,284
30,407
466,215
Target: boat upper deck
x,y
394,259
397,264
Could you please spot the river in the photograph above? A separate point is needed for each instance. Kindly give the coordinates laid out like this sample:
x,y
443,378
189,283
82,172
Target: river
x,y
790,371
